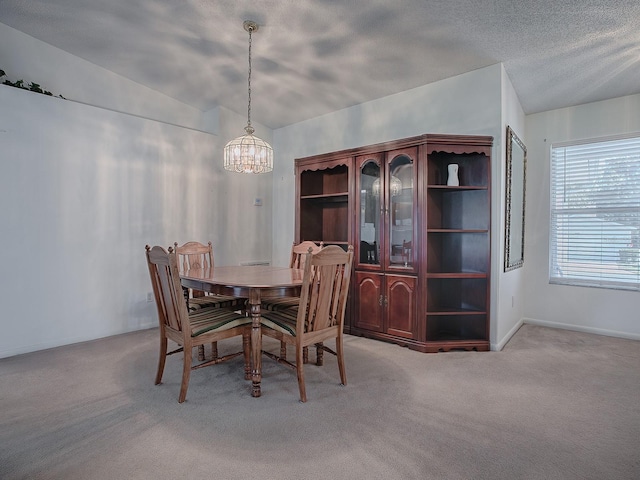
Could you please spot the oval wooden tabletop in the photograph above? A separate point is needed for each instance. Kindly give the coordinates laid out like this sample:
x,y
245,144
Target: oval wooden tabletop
x,y
253,276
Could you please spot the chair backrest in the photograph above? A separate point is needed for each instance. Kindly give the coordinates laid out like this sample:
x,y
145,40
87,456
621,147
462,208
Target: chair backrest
x,y
299,253
194,255
165,279
323,299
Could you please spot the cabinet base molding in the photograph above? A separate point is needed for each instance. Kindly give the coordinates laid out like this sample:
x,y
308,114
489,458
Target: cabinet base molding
x,y
424,347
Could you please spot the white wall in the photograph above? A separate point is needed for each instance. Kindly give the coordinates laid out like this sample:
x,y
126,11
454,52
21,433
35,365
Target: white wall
x,y
594,310
510,291
82,191
466,104
84,188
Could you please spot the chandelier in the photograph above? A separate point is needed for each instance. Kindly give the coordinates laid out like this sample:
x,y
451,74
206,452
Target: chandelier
x,y
247,153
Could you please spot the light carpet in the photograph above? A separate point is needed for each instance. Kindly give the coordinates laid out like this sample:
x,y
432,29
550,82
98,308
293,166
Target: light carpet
x,y
554,404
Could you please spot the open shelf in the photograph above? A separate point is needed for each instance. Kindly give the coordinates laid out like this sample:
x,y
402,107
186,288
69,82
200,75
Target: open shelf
x,y
458,251
458,209
328,197
325,182
466,294
321,220
455,187
323,211
456,328
473,169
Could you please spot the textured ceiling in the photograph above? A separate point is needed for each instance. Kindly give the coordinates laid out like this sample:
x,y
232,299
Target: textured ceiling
x,y
311,57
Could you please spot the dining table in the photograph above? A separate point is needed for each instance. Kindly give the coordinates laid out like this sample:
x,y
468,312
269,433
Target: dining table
x,y
254,282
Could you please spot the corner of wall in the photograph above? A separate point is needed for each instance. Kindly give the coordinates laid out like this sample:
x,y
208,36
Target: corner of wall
x,y
498,346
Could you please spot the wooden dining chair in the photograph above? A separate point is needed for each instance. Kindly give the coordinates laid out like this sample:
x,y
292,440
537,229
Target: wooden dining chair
x,y
190,328
320,315
197,255
296,260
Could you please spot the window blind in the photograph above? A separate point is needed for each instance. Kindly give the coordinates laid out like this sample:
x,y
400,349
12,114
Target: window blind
x,y
595,213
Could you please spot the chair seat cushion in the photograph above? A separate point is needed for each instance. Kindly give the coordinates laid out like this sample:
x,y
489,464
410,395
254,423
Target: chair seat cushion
x,y
279,303
281,321
216,301
215,319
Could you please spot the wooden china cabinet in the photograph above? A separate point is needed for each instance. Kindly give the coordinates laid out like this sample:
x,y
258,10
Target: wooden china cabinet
x,y
422,247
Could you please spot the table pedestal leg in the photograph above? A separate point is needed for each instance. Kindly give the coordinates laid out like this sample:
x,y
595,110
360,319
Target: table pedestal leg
x,y
256,343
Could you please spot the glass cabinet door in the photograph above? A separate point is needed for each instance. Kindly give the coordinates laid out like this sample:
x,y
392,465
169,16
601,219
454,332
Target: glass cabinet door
x,y
399,194
370,202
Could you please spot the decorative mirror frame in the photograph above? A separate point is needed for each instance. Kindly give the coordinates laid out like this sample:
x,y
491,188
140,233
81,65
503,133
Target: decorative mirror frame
x,y
515,202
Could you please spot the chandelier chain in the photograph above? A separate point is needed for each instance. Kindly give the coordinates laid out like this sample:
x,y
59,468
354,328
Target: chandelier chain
x,y
249,81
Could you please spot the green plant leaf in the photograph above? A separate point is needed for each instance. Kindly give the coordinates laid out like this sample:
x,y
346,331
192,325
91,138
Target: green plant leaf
x,y
33,87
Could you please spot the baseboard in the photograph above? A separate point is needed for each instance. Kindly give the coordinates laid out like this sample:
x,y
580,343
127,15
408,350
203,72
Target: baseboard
x,y
582,328
496,347
69,341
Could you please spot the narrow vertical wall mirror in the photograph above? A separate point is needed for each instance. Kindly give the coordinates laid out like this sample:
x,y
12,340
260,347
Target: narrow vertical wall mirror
x,y
515,200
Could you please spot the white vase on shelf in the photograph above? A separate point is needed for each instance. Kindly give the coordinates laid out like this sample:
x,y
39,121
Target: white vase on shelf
x,y
452,180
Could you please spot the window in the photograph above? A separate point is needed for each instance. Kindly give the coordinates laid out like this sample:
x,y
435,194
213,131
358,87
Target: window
x,y
595,213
